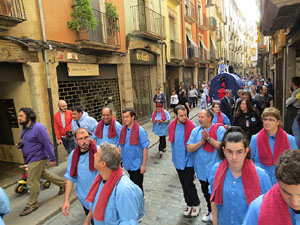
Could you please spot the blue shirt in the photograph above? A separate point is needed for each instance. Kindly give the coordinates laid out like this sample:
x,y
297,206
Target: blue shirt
x,y
180,156
84,178
161,129
37,144
125,205
86,122
253,213
132,155
204,160
105,137
226,121
254,154
234,208
4,205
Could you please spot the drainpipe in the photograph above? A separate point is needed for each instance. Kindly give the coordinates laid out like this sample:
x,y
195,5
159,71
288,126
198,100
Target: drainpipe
x,y
45,55
163,63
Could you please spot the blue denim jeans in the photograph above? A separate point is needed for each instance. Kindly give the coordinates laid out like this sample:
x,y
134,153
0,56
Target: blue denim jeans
x,y
296,130
69,144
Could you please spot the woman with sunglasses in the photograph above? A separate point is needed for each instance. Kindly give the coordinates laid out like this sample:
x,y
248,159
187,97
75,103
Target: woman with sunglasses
x,y
235,182
270,142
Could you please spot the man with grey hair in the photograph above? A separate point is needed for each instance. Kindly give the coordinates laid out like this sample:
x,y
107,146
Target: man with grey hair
x,y
115,198
227,104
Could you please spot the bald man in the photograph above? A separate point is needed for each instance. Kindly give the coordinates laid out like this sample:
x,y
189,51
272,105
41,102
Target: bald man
x,y
63,126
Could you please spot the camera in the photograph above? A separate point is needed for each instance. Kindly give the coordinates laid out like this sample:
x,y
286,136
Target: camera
x,y
69,134
20,145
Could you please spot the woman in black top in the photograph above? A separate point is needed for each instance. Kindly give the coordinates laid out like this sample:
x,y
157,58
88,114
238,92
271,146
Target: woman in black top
x,y
183,100
247,117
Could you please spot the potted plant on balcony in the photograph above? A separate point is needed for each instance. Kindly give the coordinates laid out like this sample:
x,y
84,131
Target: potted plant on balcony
x,y
112,21
82,18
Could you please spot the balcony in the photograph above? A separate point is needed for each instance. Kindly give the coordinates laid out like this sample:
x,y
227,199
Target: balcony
x,y
148,23
11,14
105,37
212,23
176,51
190,12
192,52
176,2
203,23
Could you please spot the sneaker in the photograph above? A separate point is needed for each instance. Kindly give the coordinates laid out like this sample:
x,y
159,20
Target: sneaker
x,y
164,150
187,210
160,153
28,210
195,210
62,190
207,217
140,219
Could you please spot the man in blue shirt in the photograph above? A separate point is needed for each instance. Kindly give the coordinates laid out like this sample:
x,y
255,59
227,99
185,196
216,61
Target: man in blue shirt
x,y
134,145
205,142
160,120
122,201
108,129
183,160
281,204
83,174
36,148
82,119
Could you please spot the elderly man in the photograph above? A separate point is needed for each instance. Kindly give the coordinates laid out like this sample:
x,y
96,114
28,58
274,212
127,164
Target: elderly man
x,y
281,204
160,120
134,144
108,129
80,170
115,198
63,126
269,143
227,104
205,142
36,148
82,119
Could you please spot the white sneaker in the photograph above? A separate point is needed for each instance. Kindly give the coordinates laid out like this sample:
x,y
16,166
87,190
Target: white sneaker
x,y
140,219
160,153
187,210
207,217
195,210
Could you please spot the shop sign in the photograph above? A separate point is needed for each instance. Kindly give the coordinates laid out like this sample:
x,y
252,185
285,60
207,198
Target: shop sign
x,y
142,57
79,69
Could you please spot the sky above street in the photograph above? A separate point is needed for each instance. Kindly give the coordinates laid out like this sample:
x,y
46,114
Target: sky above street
x,y
249,9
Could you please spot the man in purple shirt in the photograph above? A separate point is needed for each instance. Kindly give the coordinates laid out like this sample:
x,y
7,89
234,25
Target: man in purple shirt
x,y
36,148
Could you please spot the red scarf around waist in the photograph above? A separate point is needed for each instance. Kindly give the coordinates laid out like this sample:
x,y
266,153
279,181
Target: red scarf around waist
x,y
220,118
112,132
104,196
163,115
213,134
75,158
250,182
134,135
274,210
264,150
188,127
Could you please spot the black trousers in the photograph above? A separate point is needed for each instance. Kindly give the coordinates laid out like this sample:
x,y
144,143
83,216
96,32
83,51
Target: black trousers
x,y
186,178
162,143
204,188
137,178
86,213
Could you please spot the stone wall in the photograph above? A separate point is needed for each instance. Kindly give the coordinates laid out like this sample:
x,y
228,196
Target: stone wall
x,y
92,95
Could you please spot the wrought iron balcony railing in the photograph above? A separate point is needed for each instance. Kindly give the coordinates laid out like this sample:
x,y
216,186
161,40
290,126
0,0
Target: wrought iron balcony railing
x,y
148,23
212,23
190,11
202,23
12,12
192,52
176,50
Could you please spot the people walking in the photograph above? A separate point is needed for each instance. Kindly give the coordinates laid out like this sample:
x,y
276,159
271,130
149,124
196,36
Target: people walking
x,y
235,182
63,126
160,120
183,100
36,148
134,145
179,132
82,119
174,100
159,97
115,198
270,142
264,98
204,142
108,129
80,170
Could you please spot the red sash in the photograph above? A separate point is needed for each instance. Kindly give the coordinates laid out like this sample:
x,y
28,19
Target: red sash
x,y
213,134
112,132
163,115
220,118
188,127
134,135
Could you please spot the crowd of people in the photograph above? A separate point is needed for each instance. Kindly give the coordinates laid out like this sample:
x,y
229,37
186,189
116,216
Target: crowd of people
x,y
239,152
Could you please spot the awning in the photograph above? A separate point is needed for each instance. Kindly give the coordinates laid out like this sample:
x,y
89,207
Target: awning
x,y
191,40
204,46
214,44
